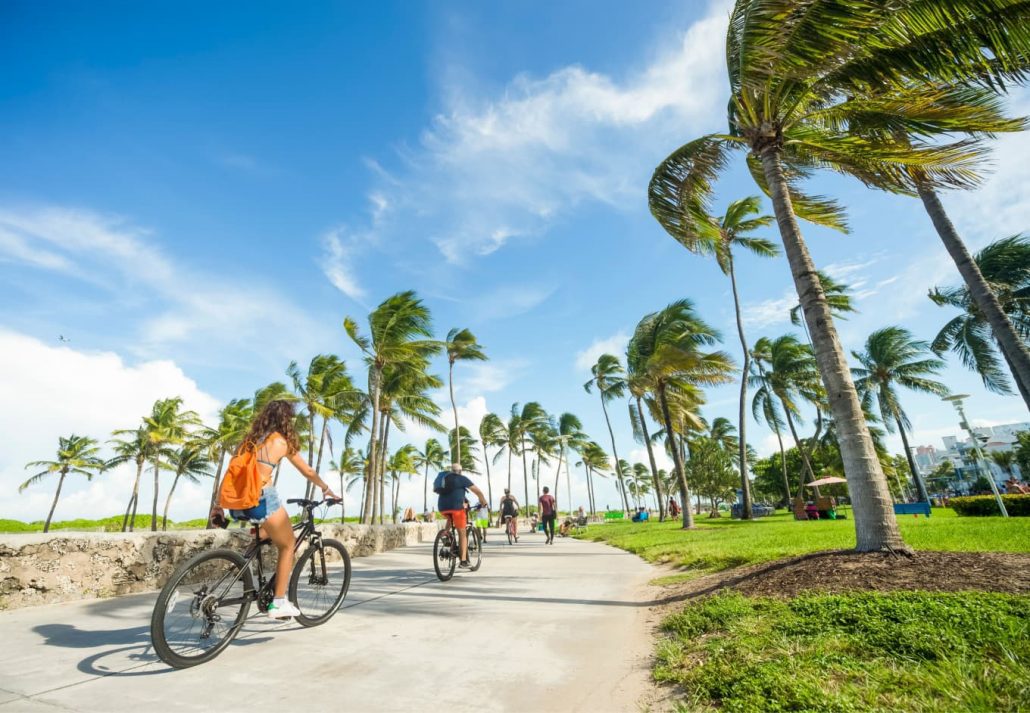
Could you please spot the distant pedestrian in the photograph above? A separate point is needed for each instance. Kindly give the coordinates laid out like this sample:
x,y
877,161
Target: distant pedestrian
x,y
548,513
674,508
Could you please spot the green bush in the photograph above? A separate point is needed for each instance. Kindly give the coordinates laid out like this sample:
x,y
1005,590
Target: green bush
x,y
980,505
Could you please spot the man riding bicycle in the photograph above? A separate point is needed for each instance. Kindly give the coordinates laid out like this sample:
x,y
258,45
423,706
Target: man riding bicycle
x,y
510,510
451,485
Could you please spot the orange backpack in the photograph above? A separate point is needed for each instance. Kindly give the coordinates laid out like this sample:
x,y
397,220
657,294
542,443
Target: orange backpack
x,y
241,488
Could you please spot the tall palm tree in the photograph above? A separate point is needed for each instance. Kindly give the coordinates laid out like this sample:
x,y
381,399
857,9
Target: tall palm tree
x,y
523,425
638,389
492,432
431,456
135,448
1005,265
400,331
667,348
799,78
610,379
719,237
350,464
461,441
75,455
790,376
893,358
461,345
764,407
166,426
838,299
191,462
594,460
401,462
570,434
543,443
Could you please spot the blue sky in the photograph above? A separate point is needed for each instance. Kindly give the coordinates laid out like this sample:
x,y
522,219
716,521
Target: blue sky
x,y
194,195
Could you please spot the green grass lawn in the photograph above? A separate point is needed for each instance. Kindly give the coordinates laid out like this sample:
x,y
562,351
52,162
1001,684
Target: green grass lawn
x,y
911,651
724,543
903,651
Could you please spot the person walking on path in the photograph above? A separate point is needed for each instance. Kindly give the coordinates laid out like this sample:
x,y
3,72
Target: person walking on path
x,y
548,513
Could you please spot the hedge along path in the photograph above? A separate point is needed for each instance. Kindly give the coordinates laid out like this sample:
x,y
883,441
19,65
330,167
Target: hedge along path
x,y
983,505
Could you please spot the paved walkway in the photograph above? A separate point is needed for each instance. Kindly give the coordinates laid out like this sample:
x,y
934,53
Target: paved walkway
x,y
537,628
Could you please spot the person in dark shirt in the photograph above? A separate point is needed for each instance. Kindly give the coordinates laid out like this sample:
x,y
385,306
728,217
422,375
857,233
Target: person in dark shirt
x,y
451,486
548,513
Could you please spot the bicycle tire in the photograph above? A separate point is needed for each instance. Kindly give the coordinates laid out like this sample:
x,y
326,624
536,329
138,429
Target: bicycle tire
x,y
511,536
475,547
445,558
171,599
327,585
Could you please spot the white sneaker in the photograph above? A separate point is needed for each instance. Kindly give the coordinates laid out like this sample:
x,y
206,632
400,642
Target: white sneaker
x,y
286,610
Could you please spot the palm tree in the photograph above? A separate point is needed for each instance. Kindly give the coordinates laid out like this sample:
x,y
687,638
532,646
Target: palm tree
x,y
1005,265
400,331
791,377
764,407
431,456
666,348
799,82
166,426
322,389
543,442
233,422
350,464
719,237
594,460
892,358
461,441
638,389
461,345
522,425
569,431
135,448
191,462
1004,460
838,298
402,461
609,378
75,454
492,432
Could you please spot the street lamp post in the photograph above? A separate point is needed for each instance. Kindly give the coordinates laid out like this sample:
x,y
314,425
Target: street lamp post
x,y
956,401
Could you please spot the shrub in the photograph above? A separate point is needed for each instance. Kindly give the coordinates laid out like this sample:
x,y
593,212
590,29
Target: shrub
x,y
980,505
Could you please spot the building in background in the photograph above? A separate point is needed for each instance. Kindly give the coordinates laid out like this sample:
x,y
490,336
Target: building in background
x,y
958,450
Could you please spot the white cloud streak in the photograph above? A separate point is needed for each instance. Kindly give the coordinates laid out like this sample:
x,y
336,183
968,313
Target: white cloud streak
x,y
615,345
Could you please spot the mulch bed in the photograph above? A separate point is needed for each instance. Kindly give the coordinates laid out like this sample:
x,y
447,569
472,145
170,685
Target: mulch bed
x,y
839,571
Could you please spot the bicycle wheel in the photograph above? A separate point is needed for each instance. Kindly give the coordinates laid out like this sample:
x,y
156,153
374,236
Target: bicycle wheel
x,y
319,582
511,535
445,554
475,548
201,608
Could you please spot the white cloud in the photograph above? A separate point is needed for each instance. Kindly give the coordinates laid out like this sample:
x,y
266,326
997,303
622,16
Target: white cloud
x,y
337,265
220,312
487,377
509,301
615,345
493,169
56,391
661,458
769,312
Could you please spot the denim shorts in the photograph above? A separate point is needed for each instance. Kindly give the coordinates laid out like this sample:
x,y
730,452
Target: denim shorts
x,y
268,504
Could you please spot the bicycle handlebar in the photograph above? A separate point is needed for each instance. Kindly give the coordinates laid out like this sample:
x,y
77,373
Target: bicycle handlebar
x,y
312,504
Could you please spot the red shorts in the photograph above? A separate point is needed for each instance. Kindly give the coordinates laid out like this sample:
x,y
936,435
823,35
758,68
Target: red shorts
x,y
460,521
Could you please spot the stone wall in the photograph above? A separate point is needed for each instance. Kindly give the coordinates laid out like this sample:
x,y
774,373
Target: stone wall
x,y
43,569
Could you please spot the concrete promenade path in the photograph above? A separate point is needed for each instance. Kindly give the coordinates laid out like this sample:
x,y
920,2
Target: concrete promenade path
x,y
537,628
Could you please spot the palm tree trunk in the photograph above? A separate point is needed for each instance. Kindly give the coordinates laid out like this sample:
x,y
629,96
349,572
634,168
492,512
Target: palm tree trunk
x,y
924,496
745,485
157,483
489,487
168,501
454,407
568,484
53,506
783,465
615,452
1012,347
382,468
654,463
557,474
370,465
525,474
688,515
876,528
310,489
425,489
343,502
132,518
1024,390
509,470
214,487
804,454
131,508
590,489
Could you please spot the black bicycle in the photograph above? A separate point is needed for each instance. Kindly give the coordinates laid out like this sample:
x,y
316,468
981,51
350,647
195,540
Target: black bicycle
x,y
447,549
205,603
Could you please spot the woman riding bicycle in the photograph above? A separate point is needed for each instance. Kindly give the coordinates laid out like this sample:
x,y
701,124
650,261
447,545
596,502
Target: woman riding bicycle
x,y
273,436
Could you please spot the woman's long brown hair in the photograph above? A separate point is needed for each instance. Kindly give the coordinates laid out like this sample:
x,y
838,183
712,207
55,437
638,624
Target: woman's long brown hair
x,y
276,416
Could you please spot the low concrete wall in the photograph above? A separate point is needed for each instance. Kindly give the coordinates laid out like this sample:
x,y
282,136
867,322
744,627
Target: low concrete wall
x,y
43,569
